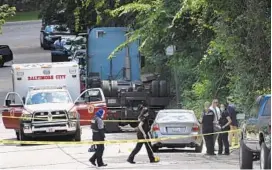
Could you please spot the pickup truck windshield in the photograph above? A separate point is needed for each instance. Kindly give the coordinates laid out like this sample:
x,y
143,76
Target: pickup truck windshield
x,y
48,97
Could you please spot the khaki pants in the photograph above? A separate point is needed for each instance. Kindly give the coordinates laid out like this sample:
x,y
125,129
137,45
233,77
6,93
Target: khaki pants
x,y
235,135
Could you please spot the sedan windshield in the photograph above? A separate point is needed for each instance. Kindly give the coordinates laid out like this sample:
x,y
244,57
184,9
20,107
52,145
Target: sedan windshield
x,y
48,97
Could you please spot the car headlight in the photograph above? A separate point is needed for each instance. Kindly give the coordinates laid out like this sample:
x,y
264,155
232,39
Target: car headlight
x,y
72,114
26,116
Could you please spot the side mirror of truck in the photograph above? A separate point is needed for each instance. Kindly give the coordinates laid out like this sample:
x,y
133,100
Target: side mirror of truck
x,y
24,100
7,103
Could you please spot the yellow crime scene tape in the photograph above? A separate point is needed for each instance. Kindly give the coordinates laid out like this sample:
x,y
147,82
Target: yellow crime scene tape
x,y
107,142
25,118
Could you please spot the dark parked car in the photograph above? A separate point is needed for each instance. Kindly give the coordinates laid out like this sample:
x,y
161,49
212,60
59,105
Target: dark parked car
x,y
255,143
50,33
6,54
71,45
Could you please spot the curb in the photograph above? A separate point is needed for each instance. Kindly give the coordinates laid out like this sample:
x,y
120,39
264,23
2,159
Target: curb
x,y
22,22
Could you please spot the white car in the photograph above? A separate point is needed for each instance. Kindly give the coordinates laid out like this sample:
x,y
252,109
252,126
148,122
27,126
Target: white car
x,y
177,123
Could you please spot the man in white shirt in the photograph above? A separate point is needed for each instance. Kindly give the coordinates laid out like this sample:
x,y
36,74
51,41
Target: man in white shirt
x,y
214,107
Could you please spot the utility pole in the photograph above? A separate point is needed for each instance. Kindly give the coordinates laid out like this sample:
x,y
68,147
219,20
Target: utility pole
x,y
170,50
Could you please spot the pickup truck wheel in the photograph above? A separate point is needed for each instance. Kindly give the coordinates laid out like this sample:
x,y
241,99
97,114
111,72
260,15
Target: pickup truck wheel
x,y
245,157
17,135
264,156
78,136
198,149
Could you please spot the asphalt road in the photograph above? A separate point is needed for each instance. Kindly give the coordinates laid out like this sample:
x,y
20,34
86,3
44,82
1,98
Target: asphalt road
x,y
23,39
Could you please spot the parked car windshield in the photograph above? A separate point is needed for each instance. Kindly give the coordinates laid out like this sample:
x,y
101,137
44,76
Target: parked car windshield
x,y
175,116
48,97
267,108
57,29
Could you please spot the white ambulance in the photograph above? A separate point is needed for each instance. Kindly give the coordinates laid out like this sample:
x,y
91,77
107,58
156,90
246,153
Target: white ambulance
x,y
43,101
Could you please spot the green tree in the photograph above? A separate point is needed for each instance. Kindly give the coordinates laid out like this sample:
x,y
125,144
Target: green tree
x,y
5,12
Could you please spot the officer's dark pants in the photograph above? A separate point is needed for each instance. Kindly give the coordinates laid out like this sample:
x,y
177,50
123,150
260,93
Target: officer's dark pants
x,y
223,140
99,149
139,146
209,143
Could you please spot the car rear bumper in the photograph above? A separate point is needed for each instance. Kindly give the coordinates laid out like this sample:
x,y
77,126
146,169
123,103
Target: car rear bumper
x,y
185,141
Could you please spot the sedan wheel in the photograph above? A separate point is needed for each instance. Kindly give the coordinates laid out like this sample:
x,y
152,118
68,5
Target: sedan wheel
x,y
264,157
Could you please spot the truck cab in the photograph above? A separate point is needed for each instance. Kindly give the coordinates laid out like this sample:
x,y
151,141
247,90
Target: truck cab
x,y
47,108
255,142
120,77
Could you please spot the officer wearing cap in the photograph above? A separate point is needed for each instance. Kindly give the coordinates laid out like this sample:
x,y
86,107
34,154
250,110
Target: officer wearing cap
x,y
142,133
98,135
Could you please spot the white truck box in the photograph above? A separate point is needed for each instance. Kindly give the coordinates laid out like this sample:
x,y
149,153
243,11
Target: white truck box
x,y
43,74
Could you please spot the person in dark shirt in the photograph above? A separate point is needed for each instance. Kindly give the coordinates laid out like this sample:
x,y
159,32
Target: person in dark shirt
x,y
224,122
142,133
98,135
234,123
208,117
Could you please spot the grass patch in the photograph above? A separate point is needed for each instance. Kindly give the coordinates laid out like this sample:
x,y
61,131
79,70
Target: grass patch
x,y
24,16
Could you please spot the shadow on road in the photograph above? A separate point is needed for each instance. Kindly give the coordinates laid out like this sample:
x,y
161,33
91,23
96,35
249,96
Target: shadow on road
x,y
175,151
49,139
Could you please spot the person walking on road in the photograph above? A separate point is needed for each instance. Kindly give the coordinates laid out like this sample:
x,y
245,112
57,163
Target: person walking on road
x,y
98,135
224,122
217,114
207,127
142,133
234,123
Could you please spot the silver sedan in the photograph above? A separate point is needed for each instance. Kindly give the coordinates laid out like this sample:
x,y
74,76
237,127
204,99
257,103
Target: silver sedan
x,y
176,123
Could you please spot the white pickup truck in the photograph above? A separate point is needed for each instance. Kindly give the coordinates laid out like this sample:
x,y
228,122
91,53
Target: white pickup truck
x,y
46,103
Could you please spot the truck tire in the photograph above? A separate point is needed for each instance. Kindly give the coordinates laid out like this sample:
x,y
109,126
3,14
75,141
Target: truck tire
x,y
133,124
155,148
264,156
163,88
245,157
269,161
111,127
2,63
155,88
78,134
198,149
114,89
106,88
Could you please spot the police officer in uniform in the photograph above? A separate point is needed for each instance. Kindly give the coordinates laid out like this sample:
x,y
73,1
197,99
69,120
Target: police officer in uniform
x,y
142,133
98,135
224,122
208,117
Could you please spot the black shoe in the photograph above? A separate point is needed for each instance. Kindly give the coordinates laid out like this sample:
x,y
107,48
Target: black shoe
x,y
154,161
102,165
92,162
220,153
131,161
